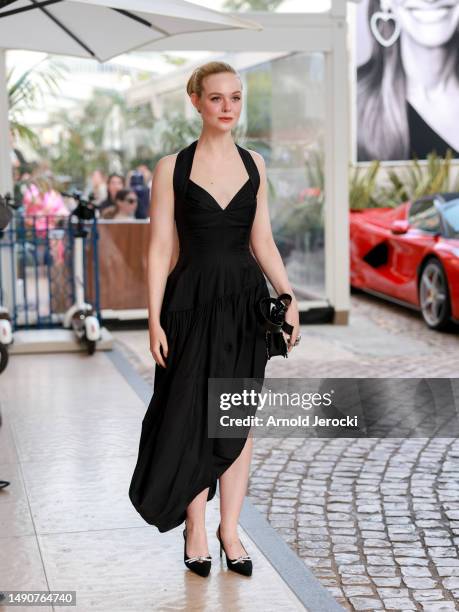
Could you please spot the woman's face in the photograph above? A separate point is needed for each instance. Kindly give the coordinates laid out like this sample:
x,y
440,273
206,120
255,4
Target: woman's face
x,y
97,178
429,22
114,185
221,100
128,206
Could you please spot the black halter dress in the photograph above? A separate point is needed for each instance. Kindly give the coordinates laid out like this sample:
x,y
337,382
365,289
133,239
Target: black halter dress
x,y
209,317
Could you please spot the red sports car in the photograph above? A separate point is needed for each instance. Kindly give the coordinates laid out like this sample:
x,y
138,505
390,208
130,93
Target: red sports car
x,y
410,255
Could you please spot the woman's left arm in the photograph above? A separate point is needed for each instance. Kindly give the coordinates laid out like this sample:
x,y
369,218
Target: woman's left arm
x,y
266,252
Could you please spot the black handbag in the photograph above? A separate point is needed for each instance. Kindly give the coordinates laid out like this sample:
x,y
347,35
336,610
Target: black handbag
x,y
272,314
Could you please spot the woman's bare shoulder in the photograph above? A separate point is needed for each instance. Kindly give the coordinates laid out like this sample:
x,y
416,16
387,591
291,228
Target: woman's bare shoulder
x,y
166,164
164,168
258,159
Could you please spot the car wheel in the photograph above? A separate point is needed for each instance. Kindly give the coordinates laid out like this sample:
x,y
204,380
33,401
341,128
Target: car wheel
x,y
434,296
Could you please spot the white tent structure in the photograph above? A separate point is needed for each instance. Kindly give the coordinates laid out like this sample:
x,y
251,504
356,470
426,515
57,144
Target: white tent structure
x,y
315,33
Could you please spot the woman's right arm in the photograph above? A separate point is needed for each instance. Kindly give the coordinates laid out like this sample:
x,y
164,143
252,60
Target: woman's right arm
x,y
160,250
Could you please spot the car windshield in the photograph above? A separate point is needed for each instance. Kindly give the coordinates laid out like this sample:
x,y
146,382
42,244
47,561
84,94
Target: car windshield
x,y
451,217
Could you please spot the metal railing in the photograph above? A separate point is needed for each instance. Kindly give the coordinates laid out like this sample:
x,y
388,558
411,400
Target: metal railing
x,y
38,253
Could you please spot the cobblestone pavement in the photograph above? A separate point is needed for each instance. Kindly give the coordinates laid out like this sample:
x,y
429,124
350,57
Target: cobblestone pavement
x,y
376,520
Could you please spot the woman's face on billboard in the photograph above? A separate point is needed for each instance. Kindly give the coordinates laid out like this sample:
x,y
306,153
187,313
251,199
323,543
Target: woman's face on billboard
x,y
429,22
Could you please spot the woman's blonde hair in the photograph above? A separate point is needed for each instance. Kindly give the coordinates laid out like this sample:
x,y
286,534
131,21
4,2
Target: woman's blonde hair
x,y
194,84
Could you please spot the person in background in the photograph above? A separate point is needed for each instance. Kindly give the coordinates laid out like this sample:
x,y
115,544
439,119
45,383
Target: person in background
x,y
125,206
98,187
43,210
115,183
147,175
137,184
43,203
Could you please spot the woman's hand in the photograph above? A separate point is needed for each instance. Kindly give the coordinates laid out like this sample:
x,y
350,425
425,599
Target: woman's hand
x,y
292,316
158,341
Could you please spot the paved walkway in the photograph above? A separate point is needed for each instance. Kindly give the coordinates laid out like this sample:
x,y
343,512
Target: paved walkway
x,y
376,520
68,443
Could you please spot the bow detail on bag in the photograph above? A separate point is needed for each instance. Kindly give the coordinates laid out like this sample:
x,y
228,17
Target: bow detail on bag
x,y
272,314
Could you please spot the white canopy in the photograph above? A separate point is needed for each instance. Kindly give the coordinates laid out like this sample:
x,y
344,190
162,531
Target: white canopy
x,y
102,29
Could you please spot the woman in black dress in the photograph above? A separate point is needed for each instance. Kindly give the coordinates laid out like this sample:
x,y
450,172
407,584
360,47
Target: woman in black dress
x,y
203,320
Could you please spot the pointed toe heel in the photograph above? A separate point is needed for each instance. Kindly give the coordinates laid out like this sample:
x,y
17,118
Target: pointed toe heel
x,y
241,565
199,565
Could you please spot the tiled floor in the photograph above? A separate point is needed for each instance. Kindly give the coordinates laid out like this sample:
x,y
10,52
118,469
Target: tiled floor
x,y
68,444
376,519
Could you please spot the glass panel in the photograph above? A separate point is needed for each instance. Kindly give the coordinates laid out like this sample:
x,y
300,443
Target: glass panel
x,y
424,216
285,105
283,118
451,215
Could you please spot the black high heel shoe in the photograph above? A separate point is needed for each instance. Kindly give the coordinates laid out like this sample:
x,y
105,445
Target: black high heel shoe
x,y
198,565
241,565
